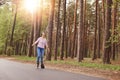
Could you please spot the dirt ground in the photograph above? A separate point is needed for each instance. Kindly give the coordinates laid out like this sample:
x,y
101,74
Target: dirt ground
x,y
107,74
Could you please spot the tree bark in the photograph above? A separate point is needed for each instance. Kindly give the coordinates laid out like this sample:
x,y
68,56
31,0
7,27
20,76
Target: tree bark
x,y
50,28
114,24
80,33
75,29
99,33
64,31
39,19
107,44
58,31
34,32
103,24
13,29
95,37
30,40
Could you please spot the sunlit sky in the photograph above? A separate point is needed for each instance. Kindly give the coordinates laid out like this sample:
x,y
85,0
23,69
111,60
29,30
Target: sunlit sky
x,y
32,5
91,1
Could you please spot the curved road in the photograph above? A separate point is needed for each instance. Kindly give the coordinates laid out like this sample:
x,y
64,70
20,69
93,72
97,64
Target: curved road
x,y
10,70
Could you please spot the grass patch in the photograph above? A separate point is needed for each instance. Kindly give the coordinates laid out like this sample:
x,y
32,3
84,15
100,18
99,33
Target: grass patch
x,y
74,63
88,65
24,58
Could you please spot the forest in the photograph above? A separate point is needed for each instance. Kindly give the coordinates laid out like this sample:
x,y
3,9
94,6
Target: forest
x,y
76,29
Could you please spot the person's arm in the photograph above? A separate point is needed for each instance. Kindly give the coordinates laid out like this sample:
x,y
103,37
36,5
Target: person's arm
x,y
35,42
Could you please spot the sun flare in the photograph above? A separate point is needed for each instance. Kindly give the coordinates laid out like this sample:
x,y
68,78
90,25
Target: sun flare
x,y
31,5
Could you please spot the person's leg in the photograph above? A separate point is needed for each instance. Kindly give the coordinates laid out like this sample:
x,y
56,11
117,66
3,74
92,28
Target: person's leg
x,y
38,56
42,55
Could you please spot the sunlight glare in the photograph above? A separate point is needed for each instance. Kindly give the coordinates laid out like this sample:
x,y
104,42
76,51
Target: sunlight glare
x,y
31,5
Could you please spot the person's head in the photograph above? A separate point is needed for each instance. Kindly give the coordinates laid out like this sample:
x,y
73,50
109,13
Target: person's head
x,y
43,34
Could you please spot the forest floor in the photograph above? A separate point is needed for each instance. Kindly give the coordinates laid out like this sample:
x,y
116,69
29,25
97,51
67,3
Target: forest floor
x,y
107,74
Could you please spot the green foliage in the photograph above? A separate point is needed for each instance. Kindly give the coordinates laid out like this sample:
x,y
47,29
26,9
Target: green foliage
x,y
23,26
116,1
5,23
116,36
24,23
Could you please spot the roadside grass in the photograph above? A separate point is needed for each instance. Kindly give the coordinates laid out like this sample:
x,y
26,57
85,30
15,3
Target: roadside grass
x,y
25,58
86,63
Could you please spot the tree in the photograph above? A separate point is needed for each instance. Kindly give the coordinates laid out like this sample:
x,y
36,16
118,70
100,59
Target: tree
x,y
75,29
58,31
114,25
95,37
30,41
39,19
13,27
107,44
5,24
99,32
80,33
85,50
50,28
69,30
103,23
64,31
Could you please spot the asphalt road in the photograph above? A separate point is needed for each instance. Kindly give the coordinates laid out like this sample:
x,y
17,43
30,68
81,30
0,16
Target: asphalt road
x,y
10,70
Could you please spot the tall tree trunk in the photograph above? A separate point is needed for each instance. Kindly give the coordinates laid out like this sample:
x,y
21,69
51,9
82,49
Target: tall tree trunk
x,y
34,32
103,25
30,40
114,24
85,31
39,19
26,46
75,28
67,40
58,31
99,32
13,29
88,37
68,37
64,31
107,45
50,28
16,48
14,23
95,37
80,33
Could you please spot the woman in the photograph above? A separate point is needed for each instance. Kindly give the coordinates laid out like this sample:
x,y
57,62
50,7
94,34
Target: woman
x,y
41,44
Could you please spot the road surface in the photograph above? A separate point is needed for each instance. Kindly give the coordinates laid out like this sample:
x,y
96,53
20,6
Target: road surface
x,y
10,70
